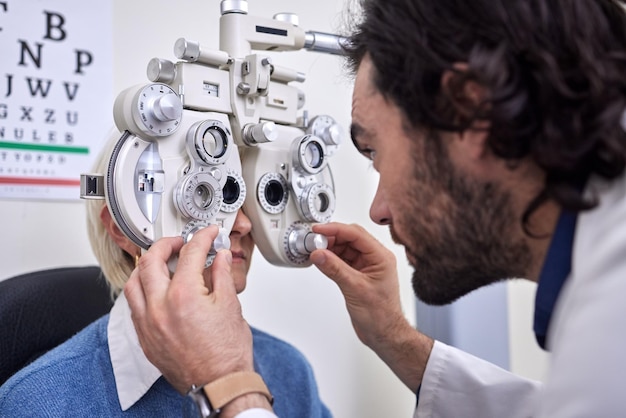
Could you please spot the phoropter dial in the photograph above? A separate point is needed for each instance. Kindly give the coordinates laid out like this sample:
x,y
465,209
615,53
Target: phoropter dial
x,y
198,196
154,110
326,128
221,242
233,192
210,141
273,192
309,154
299,241
317,202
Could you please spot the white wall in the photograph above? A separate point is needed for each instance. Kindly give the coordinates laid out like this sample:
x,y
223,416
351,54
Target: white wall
x,y
300,306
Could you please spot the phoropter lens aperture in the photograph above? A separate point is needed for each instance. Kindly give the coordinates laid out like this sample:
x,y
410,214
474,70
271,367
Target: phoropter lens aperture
x,y
203,196
274,192
215,142
231,191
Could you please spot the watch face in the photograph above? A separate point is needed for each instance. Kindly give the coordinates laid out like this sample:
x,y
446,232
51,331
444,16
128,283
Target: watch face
x,y
196,405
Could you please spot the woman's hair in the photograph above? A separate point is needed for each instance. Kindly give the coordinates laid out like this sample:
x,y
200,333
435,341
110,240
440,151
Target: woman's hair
x,y
554,70
115,263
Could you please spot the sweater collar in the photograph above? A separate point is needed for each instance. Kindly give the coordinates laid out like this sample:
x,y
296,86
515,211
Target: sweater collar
x,y
133,372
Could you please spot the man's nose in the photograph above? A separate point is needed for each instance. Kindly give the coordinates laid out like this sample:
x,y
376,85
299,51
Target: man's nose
x,y
379,211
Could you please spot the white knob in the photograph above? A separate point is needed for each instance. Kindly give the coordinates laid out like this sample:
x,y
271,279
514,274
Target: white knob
x,y
314,241
167,107
222,242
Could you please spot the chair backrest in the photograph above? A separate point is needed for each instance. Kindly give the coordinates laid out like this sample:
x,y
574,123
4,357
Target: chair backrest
x,y
42,309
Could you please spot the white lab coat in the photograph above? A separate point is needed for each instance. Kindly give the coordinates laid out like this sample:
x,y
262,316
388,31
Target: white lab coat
x,y
587,339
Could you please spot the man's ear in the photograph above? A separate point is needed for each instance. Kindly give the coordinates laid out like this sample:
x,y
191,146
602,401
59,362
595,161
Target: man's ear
x,y
467,96
116,234
469,102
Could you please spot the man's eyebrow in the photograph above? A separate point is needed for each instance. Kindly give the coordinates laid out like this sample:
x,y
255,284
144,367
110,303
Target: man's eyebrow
x,y
356,131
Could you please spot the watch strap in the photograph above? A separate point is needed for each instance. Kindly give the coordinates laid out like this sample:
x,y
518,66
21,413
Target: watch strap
x,y
227,388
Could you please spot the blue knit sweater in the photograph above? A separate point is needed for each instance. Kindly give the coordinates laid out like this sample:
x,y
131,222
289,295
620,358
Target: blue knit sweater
x,y
76,380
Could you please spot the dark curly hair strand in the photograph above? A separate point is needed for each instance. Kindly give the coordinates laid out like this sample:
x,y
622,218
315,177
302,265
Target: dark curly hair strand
x,y
555,70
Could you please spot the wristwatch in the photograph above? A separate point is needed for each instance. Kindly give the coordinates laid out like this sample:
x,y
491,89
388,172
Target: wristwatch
x,y
197,404
207,401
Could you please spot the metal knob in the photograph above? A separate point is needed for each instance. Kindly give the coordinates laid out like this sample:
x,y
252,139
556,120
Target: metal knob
x,y
287,18
161,71
303,242
186,50
325,42
334,135
221,242
234,6
167,107
191,51
314,241
257,133
326,128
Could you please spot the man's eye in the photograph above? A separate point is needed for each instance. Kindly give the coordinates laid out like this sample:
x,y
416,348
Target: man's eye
x,y
370,154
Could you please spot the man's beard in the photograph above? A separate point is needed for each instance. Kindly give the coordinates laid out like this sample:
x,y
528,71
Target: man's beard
x,y
458,231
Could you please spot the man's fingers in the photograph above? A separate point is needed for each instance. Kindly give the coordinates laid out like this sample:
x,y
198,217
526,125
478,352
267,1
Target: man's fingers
x,y
221,276
333,267
134,294
354,236
192,257
353,244
152,267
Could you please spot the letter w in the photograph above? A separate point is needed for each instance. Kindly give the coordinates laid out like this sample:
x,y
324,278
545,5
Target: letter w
x,y
41,87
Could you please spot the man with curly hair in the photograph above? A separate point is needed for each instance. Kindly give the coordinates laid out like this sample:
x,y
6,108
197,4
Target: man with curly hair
x,y
497,129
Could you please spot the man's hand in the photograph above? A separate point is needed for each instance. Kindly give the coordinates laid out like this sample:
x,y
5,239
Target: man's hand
x,y
365,271
191,333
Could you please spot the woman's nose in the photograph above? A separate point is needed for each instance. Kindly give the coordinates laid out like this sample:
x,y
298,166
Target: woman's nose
x,y
242,224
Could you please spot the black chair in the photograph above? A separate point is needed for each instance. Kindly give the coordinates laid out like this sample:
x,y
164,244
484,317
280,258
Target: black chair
x,y
42,309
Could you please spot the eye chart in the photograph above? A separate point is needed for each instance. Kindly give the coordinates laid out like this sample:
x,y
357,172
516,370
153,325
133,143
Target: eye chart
x,y
56,98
